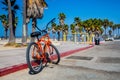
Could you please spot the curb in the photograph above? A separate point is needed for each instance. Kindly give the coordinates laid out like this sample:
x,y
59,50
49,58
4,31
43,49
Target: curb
x,y
14,68
76,50
11,69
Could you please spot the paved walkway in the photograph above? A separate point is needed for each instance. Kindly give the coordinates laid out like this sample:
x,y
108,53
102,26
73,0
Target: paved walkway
x,y
72,67
14,56
11,58
105,57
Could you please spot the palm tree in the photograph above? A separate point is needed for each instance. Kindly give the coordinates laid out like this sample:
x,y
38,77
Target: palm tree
x,y
11,7
53,25
35,11
110,32
113,28
72,28
110,24
24,27
58,28
78,23
90,28
84,24
12,37
65,31
101,30
88,25
118,28
105,24
53,30
97,25
62,17
65,28
77,20
14,8
4,21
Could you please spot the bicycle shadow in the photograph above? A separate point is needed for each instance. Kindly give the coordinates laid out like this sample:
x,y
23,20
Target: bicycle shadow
x,y
46,66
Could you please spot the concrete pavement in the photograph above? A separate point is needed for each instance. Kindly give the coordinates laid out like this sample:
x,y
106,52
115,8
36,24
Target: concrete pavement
x,y
98,63
104,57
14,59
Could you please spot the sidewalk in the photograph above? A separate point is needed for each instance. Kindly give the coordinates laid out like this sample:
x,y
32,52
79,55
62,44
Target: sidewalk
x,y
96,58
14,59
73,67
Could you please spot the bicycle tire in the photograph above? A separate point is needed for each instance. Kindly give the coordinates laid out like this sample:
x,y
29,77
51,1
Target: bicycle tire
x,y
31,63
54,55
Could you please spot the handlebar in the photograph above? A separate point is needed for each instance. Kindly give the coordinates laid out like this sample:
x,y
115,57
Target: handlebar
x,y
50,22
46,26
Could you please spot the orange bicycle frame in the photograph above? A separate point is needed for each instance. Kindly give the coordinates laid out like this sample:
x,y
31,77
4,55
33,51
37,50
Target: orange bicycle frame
x,y
46,40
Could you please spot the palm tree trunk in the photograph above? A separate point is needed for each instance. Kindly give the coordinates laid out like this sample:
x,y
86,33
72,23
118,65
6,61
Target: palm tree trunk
x,y
113,32
24,30
12,37
58,33
6,33
34,23
118,31
13,22
62,24
105,31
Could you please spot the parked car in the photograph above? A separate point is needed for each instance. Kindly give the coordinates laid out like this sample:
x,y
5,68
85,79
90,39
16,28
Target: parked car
x,y
110,38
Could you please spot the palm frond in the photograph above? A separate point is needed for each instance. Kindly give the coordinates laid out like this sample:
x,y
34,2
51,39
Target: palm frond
x,y
13,12
44,3
16,7
4,3
5,9
4,20
13,2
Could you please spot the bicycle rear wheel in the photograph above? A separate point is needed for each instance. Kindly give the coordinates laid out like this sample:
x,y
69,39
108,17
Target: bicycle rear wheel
x,y
34,64
53,54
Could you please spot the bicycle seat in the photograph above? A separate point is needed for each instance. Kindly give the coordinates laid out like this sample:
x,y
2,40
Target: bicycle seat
x,y
35,34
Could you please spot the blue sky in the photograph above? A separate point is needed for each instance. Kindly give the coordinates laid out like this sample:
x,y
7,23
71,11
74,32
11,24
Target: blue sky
x,y
84,9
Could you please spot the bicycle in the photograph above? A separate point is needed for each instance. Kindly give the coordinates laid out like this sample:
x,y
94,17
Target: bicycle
x,y
42,51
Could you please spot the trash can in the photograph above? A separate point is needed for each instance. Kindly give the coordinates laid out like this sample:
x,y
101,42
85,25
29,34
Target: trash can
x,y
97,38
97,41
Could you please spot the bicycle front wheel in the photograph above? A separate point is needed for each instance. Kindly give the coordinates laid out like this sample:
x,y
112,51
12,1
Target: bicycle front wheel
x,y
53,54
34,64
